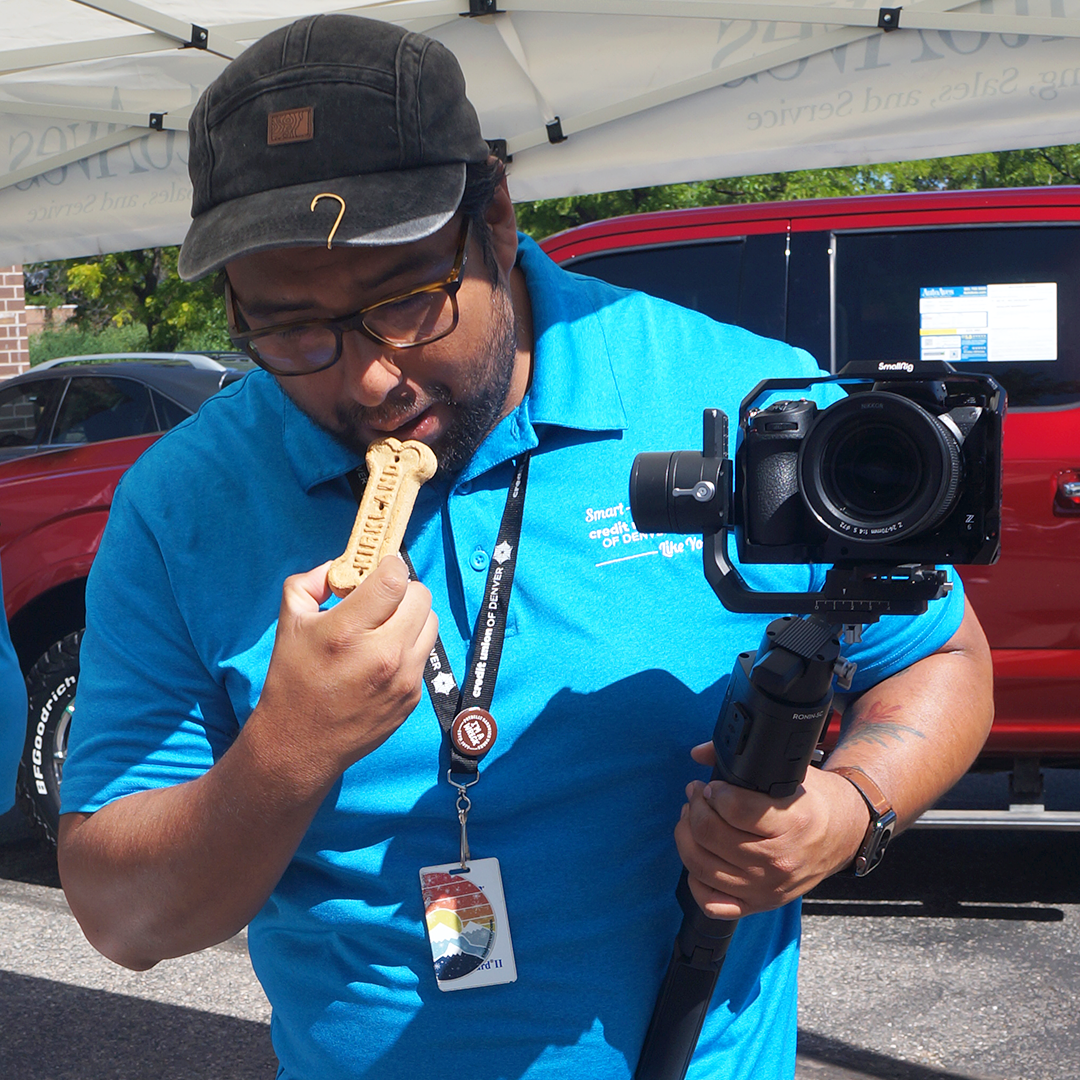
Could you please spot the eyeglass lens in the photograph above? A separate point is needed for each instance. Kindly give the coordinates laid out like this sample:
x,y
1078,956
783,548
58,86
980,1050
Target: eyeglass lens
x,y
413,320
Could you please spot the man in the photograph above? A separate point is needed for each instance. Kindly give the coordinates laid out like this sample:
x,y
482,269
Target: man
x,y
249,751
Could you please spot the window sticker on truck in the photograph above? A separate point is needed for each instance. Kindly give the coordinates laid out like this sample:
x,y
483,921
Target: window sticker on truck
x,y
988,323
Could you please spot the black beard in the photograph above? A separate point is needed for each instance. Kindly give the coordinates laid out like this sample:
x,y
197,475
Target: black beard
x,y
477,408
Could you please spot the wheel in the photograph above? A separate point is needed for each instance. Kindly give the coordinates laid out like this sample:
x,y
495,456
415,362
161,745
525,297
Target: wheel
x,y
50,685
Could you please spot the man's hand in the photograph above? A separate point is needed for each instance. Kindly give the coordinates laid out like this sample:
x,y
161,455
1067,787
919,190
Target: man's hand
x,y
746,852
341,681
143,875
915,734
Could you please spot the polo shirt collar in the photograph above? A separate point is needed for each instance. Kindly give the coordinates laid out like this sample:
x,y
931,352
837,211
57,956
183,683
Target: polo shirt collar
x,y
315,455
573,384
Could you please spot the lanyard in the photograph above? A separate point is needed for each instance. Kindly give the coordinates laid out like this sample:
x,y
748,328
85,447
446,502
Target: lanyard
x,y
463,712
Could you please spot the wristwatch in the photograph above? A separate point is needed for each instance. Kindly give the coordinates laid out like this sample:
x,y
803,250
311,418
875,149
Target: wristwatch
x,y
882,820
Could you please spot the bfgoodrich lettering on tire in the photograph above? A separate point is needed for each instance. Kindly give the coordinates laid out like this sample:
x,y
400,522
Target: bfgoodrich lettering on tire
x,y
50,686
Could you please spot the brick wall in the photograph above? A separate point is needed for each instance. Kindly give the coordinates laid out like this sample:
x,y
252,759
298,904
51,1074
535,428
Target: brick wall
x,y
38,318
14,356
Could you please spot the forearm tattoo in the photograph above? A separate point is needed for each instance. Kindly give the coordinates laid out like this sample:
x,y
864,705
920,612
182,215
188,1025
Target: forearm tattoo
x,y
876,725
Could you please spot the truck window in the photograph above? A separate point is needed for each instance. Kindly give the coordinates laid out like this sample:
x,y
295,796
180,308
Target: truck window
x,y
1000,300
736,280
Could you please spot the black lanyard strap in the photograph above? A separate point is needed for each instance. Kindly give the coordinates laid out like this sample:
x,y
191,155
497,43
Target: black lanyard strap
x,y
469,705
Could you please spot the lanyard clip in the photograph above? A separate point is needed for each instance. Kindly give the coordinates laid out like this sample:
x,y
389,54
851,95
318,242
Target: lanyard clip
x,y
464,805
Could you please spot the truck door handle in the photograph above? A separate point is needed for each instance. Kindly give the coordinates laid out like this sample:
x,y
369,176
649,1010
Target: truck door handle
x,y
1067,493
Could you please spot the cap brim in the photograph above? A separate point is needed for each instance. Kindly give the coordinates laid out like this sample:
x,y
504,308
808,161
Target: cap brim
x,y
375,209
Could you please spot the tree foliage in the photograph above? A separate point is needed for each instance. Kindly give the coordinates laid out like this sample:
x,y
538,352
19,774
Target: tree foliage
x,y
1007,168
134,288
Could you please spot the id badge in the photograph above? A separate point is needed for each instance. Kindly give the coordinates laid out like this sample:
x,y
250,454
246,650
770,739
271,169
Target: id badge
x,y
467,925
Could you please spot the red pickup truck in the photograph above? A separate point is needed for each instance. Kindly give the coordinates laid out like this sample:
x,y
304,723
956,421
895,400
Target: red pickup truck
x,y
984,279
987,280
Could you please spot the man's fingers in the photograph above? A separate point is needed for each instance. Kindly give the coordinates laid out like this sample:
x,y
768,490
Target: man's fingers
x,y
386,594
714,882
428,635
716,903
378,596
370,604
704,754
305,592
748,811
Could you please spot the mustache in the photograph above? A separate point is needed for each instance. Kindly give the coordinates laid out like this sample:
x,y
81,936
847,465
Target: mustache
x,y
395,410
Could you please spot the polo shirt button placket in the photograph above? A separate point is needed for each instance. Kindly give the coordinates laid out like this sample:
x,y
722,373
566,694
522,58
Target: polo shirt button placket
x,y
479,559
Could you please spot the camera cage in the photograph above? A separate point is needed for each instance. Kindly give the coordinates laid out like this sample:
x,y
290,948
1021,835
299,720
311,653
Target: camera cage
x,y
856,591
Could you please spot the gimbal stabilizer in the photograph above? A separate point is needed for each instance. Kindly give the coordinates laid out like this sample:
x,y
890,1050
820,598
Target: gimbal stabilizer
x,y
777,702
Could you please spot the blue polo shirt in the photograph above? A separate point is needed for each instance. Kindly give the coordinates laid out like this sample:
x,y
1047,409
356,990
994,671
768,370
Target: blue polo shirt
x,y
12,713
615,662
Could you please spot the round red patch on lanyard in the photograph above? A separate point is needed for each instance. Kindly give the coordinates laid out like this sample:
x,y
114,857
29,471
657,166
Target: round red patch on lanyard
x,y
473,732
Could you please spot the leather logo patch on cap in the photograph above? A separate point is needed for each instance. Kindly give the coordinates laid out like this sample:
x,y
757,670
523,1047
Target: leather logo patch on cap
x,y
289,126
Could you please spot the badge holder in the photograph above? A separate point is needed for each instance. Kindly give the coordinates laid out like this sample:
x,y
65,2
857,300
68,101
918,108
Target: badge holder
x,y
464,903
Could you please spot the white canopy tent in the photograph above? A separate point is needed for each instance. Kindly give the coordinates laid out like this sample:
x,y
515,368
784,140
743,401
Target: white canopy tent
x,y
589,95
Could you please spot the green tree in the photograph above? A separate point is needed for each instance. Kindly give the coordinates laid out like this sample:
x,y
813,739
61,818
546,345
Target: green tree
x,y
135,289
1006,168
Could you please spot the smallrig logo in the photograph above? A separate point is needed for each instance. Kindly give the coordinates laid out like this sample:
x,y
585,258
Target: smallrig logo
x,y
900,365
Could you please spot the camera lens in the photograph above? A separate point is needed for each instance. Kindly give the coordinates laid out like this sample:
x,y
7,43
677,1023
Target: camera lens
x,y
879,468
874,469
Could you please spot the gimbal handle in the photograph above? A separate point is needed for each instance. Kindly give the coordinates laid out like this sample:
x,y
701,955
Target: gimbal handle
x,y
776,707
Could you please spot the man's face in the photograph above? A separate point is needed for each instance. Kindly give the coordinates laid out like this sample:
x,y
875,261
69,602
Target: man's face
x,y
448,394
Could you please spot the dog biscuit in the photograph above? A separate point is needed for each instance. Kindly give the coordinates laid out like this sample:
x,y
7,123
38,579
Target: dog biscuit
x,y
395,472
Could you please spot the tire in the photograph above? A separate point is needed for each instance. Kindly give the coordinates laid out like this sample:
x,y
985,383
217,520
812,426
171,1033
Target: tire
x,y
50,686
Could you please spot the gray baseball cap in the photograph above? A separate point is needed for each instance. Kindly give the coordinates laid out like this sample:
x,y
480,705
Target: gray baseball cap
x,y
367,115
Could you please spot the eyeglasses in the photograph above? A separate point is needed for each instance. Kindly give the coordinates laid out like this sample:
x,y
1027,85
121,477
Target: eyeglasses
x,y
304,346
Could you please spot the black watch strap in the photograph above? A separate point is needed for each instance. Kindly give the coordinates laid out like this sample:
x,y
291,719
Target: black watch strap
x,y
882,819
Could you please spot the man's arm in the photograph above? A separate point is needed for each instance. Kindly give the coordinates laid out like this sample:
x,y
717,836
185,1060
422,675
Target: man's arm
x,y
915,734
171,870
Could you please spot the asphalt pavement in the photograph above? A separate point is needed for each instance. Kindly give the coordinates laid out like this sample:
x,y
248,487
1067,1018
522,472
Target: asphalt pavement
x,y
958,959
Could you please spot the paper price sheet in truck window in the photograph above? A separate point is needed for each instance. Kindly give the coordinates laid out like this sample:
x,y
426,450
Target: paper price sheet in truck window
x,y
988,323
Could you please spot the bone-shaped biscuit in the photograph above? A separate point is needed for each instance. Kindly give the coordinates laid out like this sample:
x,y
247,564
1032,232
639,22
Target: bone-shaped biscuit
x,y
395,472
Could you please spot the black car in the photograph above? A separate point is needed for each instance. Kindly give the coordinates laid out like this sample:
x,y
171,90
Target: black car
x,y
85,399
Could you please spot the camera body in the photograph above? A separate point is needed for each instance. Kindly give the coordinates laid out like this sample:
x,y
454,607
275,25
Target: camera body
x,y
902,470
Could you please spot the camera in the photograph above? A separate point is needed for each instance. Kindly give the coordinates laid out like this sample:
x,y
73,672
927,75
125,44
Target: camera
x,y
896,471
893,465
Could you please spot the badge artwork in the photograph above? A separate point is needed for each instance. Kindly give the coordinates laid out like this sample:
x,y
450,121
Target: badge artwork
x,y
473,732
467,925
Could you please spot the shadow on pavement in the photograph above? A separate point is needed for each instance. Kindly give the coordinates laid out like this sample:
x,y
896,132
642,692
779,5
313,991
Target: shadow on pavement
x,y
830,1059
53,1031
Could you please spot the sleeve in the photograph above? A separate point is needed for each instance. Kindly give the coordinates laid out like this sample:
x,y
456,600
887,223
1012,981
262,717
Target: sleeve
x,y
12,713
149,713
895,642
